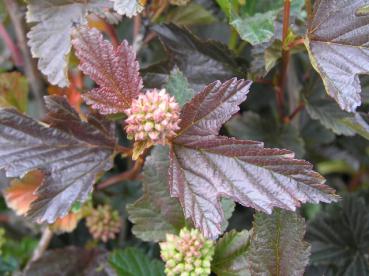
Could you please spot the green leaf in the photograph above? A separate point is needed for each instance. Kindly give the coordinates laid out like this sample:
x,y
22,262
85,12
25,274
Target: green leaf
x,y
14,91
179,87
191,14
255,29
155,214
277,245
338,49
226,6
320,107
359,124
50,37
133,262
340,237
230,257
250,126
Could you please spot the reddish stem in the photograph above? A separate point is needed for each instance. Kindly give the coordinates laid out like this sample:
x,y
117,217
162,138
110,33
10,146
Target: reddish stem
x,y
110,30
309,9
296,43
128,175
294,113
285,59
14,50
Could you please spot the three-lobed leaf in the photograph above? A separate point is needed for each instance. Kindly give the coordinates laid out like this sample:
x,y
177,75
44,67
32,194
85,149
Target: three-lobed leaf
x,y
277,245
50,37
338,45
70,153
116,71
205,167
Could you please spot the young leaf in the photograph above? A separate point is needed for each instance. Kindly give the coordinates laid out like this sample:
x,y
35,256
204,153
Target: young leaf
x,y
277,245
156,213
116,71
340,238
133,262
70,152
205,167
179,87
13,91
50,38
337,42
128,7
230,257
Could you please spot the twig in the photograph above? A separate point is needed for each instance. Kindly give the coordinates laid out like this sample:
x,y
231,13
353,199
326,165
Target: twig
x,y
112,34
128,175
296,43
30,68
46,237
294,113
14,50
285,59
309,9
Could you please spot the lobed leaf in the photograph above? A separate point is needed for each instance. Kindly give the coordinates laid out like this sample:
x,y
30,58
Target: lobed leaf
x,y
155,214
277,245
231,252
205,167
133,262
338,45
70,153
116,71
50,38
128,7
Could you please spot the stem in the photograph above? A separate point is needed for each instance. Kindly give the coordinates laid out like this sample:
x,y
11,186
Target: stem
x,y
128,175
296,43
294,113
309,9
232,43
33,75
46,237
285,59
14,50
112,34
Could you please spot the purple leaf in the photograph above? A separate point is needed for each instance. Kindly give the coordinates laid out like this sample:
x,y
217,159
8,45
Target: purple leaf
x,y
205,167
70,152
116,71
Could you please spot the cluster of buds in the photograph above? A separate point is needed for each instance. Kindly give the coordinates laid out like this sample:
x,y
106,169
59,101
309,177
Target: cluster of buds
x,y
152,119
179,2
187,254
104,223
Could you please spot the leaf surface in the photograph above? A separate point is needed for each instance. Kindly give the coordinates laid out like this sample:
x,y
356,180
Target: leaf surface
x,y
338,44
69,151
340,237
128,7
116,71
205,167
179,87
231,251
277,245
50,38
133,262
155,214
13,91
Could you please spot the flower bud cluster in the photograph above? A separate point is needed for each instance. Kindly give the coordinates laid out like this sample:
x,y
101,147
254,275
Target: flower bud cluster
x,y
153,117
104,223
187,254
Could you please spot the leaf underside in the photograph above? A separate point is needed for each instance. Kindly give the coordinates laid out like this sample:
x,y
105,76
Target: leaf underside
x,y
116,71
338,44
50,38
205,167
277,245
128,7
69,152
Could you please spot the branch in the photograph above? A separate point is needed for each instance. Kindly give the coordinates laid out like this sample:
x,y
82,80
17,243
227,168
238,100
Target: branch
x,y
14,50
128,175
33,75
285,59
46,237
